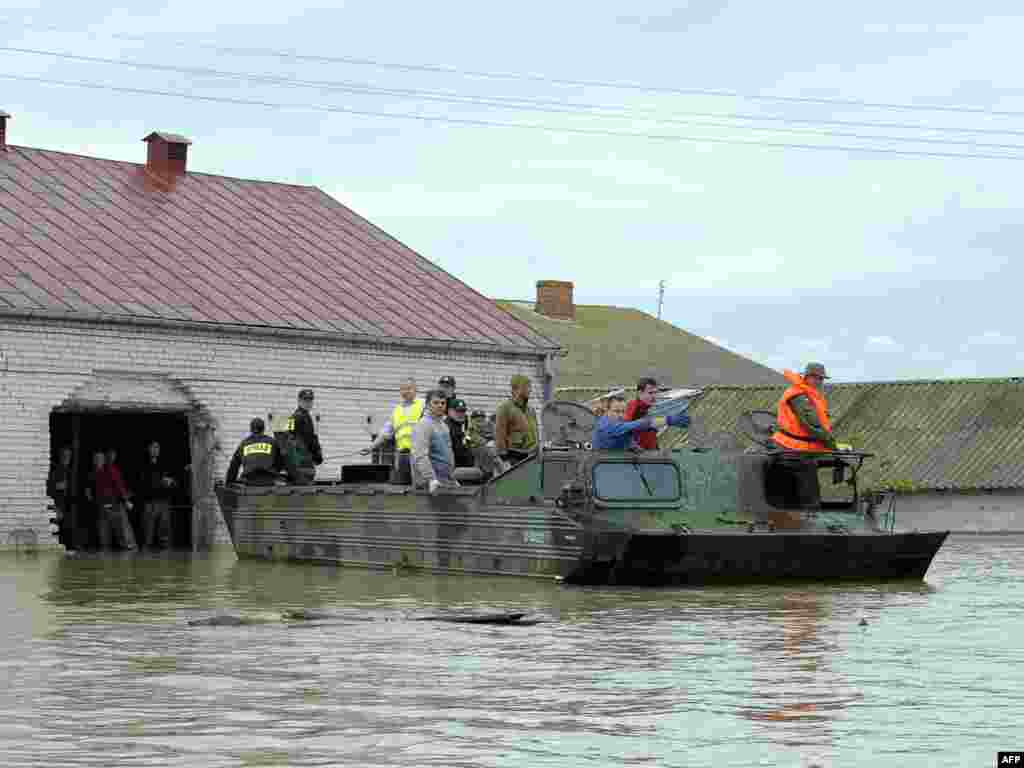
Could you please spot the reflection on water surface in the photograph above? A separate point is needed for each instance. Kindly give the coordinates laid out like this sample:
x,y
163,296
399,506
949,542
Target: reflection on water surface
x,y
102,667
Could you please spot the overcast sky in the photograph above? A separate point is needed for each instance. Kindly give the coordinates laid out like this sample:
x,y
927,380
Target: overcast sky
x,y
881,265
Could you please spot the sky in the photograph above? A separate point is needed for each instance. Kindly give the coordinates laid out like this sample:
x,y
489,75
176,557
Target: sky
x,y
881,263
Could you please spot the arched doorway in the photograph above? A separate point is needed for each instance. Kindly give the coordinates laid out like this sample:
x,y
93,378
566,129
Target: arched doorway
x,y
126,411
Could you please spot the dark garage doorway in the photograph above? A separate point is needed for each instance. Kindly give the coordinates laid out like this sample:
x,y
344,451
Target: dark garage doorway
x,y
129,432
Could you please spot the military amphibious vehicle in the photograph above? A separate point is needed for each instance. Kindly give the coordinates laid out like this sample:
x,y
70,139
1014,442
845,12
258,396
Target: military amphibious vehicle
x,y
694,516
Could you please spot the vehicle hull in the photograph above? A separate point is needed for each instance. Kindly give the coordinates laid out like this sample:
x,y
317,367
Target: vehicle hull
x,y
714,556
459,533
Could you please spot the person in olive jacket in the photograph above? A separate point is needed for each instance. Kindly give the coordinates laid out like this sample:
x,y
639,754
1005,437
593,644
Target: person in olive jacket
x,y
515,428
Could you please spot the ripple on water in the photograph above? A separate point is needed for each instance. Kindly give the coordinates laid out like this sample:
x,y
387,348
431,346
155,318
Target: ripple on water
x,y
102,668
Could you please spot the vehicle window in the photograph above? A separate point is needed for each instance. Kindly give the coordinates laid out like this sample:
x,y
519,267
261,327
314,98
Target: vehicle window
x,y
636,481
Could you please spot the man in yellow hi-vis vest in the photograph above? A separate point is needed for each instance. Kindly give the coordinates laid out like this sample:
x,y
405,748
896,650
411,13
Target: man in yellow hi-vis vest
x,y
399,428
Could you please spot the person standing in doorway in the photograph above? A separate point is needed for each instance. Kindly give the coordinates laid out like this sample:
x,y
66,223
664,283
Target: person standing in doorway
x,y
111,497
155,488
58,488
305,443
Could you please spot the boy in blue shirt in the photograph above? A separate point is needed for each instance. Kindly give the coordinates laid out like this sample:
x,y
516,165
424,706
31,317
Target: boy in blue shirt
x,y
611,433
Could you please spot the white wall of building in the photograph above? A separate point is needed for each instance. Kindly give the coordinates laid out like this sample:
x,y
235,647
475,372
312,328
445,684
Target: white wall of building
x,y
231,377
980,512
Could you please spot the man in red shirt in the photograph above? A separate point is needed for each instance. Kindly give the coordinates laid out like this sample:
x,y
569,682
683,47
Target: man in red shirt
x,y
107,489
646,392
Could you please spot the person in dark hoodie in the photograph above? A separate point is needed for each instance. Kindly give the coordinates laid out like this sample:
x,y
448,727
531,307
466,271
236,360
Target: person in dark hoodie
x,y
155,487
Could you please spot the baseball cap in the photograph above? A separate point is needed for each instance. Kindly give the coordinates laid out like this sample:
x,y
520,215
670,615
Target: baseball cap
x,y
446,381
457,404
815,369
305,394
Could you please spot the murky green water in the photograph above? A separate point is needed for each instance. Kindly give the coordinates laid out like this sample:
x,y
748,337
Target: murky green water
x,y
102,669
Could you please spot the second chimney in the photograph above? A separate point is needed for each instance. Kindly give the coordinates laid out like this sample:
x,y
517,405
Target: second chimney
x,y
3,130
554,299
167,156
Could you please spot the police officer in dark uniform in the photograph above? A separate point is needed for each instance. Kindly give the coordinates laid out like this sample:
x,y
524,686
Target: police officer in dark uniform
x,y
305,444
447,385
259,457
457,425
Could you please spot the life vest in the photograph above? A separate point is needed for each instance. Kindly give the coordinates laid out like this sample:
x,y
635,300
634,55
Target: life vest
x,y
403,419
792,434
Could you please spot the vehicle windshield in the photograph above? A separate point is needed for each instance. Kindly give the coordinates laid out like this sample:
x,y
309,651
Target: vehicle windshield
x,y
636,480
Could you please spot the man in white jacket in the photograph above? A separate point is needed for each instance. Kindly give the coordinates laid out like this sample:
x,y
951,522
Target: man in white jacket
x,y
433,461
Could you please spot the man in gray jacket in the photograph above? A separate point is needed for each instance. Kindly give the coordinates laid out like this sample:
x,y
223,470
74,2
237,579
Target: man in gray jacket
x,y
433,461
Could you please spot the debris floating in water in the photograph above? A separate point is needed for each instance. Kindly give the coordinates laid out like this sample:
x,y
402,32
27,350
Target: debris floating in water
x,y
222,620
305,614
484,618
308,615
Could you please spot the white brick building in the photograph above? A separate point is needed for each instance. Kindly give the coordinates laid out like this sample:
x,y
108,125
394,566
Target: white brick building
x,y
143,300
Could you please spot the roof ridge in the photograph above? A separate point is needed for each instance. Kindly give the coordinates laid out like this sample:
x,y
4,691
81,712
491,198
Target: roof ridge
x,y
593,306
94,159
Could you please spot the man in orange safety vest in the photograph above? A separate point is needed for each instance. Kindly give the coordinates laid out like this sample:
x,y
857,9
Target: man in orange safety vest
x,y
803,422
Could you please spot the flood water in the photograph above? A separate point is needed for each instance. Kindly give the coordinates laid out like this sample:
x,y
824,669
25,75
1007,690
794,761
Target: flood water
x,y
101,668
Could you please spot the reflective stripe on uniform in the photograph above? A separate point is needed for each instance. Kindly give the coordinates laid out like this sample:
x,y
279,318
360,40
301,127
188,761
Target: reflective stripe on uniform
x,y
265,449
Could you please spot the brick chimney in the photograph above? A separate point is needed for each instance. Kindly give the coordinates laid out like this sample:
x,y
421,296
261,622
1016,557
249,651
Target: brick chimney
x,y
167,156
554,299
3,130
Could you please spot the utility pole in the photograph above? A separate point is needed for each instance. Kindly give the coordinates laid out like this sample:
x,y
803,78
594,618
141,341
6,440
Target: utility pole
x,y
661,296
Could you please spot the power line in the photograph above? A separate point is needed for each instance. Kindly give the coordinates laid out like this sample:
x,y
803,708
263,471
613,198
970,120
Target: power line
x,y
500,102
529,77
521,126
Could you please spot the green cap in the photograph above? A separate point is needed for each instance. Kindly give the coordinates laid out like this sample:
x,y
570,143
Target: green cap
x,y
457,404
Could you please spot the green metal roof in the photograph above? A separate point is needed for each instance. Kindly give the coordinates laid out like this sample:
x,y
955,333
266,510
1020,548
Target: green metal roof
x,y
965,434
612,347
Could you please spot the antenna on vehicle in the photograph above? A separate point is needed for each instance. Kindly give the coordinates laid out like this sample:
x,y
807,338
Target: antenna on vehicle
x,y
661,296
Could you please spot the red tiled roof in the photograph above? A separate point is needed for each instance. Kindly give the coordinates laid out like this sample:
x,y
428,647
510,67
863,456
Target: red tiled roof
x,y
92,237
